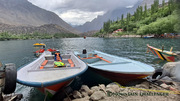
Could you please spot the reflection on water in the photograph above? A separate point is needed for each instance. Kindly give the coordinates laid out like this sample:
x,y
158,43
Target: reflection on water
x,y
20,52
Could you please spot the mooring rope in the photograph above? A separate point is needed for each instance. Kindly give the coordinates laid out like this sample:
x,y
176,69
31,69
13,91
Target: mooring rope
x,y
160,91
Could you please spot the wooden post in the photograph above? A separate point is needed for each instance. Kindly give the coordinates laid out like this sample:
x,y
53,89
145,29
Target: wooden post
x,y
162,48
171,49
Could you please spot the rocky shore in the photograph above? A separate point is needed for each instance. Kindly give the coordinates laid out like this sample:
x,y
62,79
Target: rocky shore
x,y
112,92
162,86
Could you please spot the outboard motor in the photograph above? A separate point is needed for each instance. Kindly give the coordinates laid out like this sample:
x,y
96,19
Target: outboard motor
x,y
8,76
84,51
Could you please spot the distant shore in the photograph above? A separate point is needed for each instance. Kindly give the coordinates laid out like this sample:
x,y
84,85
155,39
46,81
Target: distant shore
x,y
135,36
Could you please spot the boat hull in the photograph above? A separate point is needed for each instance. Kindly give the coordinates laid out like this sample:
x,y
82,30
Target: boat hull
x,y
42,73
122,78
117,69
163,55
53,89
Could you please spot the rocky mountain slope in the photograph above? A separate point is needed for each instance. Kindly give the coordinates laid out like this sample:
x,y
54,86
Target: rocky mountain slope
x,y
24,13
47,28
98,22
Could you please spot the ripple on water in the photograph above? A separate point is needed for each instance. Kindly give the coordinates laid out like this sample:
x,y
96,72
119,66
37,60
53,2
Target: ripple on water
x,y
20,52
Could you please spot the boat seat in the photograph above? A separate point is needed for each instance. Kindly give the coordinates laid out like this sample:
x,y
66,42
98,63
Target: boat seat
x,y
87,56
47,64
44,63
91,54
102,58
49,57
82,55
41,67
50,64
71,62
90,58
66,56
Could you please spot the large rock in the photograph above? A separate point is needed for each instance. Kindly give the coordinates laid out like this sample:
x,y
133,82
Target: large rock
x,y
102,86
109,90
167,78
85,89
82,99
77,94
177,70
84,94
178,55
113,86
66,99
171,68
95,88
97,95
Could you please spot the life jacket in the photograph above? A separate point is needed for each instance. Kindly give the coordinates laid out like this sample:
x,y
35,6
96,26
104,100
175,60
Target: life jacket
x,y
58,64
58,57
41,50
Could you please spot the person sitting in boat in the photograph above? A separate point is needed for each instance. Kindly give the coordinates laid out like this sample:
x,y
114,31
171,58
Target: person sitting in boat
x,y
58,59
58,56
44,47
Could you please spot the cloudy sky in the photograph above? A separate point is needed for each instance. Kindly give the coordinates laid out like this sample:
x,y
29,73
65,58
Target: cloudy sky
x,y
77,12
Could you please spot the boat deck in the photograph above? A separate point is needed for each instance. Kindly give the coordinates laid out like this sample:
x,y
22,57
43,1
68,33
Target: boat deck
x,y
111,63
33,73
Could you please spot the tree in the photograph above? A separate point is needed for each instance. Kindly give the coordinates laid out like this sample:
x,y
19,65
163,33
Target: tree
x,y
141,12
152,9
128,19
138,13
163,3
156,5
107,26
145,11
122,19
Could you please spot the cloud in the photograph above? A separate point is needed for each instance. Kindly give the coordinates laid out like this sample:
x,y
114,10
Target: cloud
x,y
80,11
78,17
131,6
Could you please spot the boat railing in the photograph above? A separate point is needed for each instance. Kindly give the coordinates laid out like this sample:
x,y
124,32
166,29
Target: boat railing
x,y
52,69
112,63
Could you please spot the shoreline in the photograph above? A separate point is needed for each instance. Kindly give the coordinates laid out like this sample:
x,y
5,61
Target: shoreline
x,y
125,36
166,87
136,36
113,92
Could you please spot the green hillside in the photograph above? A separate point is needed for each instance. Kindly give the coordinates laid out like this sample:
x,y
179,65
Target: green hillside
x,y
157,20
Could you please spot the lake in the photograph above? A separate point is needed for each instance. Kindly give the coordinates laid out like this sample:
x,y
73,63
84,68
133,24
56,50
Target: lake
x,y
20,52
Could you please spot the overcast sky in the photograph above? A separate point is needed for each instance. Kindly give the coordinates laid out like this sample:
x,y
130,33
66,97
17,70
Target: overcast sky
x,y
77,12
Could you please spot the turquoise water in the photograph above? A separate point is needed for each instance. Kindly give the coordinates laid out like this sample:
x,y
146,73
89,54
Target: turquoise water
x,y
20,52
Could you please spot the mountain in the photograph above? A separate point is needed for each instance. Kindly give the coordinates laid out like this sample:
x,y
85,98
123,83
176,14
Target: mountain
x,y
115,14
47,28
24,13
98,22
